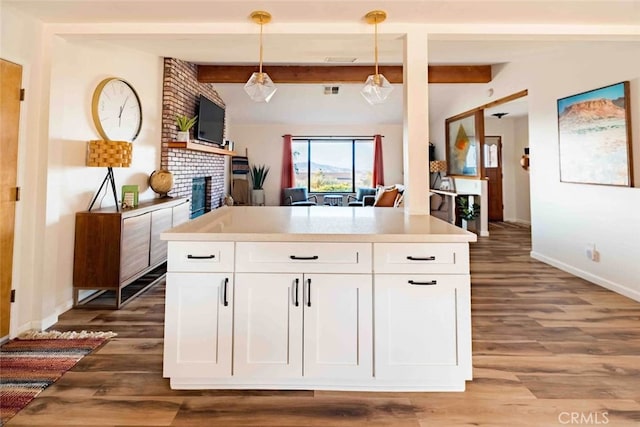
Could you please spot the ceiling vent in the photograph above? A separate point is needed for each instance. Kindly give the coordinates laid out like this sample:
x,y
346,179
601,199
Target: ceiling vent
x,y
331,90
340,59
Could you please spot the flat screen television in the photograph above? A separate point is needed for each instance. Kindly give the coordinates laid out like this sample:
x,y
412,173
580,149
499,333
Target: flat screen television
x,y
210,125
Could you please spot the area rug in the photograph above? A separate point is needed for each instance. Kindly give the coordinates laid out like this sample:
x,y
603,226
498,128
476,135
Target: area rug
x,y
35,360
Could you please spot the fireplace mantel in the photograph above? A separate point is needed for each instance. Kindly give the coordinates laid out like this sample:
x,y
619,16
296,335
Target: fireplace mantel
x,y
201,147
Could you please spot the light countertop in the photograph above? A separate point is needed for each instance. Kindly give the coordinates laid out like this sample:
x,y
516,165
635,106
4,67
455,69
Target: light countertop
x,y
316,223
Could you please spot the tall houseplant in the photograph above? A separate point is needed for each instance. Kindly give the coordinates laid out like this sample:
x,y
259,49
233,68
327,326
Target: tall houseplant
x,y
258,175
184,125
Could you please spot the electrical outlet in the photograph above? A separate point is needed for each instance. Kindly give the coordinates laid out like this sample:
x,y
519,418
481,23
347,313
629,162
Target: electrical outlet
x,y
591,252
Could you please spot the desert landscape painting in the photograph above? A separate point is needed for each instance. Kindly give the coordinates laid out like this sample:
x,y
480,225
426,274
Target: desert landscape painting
x,y
594,136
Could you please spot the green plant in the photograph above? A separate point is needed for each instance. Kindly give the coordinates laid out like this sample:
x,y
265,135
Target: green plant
x,y
185,123
466,211
258,175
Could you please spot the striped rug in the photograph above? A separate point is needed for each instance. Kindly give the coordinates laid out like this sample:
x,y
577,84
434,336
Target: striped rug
x,y
35,360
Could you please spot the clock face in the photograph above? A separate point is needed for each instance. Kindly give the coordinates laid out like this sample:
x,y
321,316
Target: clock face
x,y
116,110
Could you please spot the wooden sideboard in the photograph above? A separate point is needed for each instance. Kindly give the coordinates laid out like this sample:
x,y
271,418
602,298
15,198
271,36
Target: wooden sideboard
x,y
114,250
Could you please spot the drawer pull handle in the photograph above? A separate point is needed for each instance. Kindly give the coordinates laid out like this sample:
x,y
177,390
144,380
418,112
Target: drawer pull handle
x,y
415,258
200,256
297,303
224,296
308,292
303,257
431,283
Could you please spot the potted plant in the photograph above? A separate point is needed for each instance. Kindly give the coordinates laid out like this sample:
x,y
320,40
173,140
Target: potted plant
x,y
467,212
258,176
184,124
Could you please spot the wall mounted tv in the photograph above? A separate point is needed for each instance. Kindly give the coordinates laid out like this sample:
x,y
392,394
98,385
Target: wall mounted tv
x,y
210,126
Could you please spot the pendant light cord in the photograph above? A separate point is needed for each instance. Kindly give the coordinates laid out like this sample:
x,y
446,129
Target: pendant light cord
x,y
376,45
261,45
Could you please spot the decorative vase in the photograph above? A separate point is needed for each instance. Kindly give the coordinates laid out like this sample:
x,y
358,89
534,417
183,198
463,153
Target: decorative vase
x,y
257,197
183,136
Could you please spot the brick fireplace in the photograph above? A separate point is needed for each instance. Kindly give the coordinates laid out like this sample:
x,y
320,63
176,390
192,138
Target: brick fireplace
x,y
180,95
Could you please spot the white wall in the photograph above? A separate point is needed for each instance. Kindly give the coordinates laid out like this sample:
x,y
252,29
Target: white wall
x,y
77,68
521,176
59,78
264,144
21,42
565,217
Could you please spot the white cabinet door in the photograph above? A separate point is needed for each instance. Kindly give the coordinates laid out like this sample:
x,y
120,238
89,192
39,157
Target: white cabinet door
x,y
198,325
423,327
268,326
338,332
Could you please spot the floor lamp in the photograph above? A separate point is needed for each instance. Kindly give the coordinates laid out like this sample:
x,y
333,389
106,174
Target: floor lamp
x,y
109,154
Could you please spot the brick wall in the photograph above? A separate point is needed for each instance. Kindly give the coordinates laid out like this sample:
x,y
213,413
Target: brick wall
x,y
180,96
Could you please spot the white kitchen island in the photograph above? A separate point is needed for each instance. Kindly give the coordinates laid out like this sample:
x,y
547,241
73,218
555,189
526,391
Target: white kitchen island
x,y
324,298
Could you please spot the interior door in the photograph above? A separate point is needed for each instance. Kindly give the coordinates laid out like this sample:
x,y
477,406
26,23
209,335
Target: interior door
x,y
11,80
492,162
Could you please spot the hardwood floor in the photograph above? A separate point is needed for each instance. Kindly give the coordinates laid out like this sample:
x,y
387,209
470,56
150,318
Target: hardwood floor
x,y
548,349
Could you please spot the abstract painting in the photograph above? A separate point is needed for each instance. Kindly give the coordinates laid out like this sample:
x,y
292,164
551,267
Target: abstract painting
x,y
594,130
462,134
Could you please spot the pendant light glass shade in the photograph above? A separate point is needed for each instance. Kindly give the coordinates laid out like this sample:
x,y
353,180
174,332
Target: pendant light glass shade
x,y
260,87
377,88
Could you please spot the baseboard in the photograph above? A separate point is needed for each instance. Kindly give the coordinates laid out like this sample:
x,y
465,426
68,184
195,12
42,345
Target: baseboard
x,y
518,221
612,286
48,321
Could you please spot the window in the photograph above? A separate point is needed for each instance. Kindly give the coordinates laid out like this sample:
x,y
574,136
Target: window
x,y
333,165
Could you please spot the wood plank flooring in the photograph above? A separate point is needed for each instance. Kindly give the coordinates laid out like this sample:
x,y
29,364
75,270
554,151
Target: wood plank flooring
x,y
547,347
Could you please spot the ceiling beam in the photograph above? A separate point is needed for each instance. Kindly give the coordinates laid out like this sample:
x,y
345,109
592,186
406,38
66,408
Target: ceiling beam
x,y
340,74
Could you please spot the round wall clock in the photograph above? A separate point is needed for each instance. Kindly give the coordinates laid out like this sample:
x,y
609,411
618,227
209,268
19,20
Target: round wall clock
x,y
116,110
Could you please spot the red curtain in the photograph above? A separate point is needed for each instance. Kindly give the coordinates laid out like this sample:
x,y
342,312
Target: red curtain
x,y
287,178
378,168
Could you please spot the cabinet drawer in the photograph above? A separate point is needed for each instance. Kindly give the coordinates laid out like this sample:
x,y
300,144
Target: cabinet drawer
x,y
270,257
449,258
200,256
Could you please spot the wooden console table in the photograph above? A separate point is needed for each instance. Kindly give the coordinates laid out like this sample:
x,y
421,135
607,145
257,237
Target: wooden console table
x,y
114,250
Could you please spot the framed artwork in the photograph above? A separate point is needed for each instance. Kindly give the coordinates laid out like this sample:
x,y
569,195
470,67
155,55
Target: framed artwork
x,y
129,196
594,135
464,135
447,184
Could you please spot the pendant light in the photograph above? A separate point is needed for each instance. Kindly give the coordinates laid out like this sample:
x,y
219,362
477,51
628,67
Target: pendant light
x,y
377,88
260,87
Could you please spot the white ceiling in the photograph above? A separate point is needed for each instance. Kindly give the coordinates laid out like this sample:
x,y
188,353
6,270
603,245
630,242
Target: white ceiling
x,y
600,12
206,44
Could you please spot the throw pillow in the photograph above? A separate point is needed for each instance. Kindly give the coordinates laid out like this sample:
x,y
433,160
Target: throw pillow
x,y
386,197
